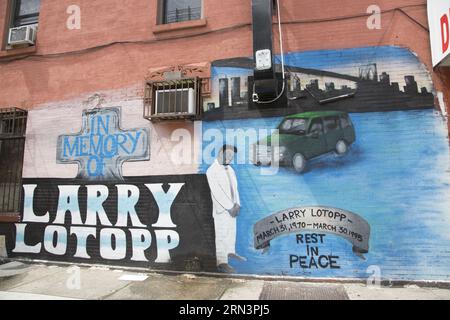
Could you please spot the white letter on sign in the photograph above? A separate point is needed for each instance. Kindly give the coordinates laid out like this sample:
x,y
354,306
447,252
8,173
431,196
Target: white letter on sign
x,y
97,195
61,240
106,244
82,234
21,247
28,199
142,239
166,240
374,21
164,201
128,196
68,201
74,20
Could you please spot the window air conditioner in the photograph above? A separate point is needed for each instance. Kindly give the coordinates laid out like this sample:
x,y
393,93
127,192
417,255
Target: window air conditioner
x,y
22,35
175,101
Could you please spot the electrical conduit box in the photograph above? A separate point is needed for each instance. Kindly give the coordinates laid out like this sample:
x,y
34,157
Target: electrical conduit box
x,y
263,59
265,85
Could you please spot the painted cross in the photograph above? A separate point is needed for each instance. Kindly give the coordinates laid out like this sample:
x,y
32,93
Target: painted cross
x,y
102,146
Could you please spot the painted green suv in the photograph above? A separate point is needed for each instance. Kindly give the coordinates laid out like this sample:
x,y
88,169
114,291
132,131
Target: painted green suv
x,y
304,136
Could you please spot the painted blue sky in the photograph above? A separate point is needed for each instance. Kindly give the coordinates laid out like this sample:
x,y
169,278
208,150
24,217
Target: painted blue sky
x,y
397,62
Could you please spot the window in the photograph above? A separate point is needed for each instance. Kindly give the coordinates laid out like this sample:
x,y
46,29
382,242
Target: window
x,y
331,124
181,10
316,127
25,12
345,122
12,143
293,126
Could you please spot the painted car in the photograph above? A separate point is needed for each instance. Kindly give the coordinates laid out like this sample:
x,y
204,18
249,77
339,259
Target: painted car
x,y
305,136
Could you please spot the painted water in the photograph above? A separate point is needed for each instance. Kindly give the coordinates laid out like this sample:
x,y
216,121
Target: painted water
x,y
396,176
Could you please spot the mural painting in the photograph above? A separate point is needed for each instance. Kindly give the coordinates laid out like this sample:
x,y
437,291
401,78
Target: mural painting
x,y
226,207
101,217
360,158
339,177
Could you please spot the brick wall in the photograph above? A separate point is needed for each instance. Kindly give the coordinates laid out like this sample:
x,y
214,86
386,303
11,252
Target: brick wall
x,y
40,79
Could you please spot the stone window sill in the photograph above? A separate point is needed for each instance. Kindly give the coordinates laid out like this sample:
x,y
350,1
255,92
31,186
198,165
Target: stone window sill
x,y
162,28
17,52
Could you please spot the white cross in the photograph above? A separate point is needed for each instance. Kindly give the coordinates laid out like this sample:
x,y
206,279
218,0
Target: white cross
x,y
102,147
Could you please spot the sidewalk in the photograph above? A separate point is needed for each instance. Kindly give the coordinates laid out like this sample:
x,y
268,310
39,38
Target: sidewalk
x,y
42,282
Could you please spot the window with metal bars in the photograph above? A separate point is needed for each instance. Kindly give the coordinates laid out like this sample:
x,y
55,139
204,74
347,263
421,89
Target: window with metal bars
x,y
172,99
13,123
181,10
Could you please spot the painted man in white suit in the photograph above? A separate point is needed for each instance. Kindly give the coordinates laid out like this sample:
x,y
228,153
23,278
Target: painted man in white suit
x,y
226,206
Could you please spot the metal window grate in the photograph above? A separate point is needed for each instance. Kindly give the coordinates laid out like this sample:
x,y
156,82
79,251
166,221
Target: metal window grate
x,y
183,14
13,123
172,99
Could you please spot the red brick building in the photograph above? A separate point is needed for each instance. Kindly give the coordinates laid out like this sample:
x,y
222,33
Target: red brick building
x,y
113,57
124,39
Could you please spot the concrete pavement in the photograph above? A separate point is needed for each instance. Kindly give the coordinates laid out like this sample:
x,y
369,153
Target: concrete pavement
x,y
55,282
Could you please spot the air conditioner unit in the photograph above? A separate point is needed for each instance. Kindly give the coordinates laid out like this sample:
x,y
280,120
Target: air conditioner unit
x,y
175,101
22,35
